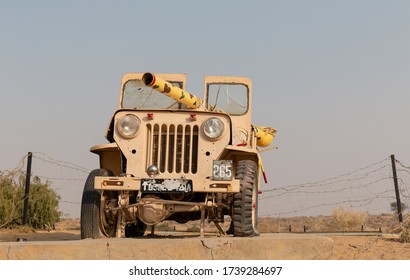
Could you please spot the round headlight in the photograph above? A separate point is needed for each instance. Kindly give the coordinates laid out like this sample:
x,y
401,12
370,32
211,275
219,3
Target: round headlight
x,y
213,128
128,126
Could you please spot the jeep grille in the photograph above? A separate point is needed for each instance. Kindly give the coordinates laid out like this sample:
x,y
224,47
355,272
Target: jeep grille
x,y
173,148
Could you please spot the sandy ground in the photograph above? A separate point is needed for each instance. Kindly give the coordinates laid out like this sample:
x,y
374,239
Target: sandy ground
x,y
370,248
386,247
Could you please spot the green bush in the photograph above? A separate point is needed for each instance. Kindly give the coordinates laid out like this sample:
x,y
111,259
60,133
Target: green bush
x,y
11,202
42,206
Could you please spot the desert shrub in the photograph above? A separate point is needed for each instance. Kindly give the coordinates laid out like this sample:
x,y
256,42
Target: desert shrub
x,y
394,206
405,236
10,201
405,230
42,206
343,219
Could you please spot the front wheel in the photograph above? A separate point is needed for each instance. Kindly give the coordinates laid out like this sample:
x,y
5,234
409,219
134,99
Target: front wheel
x,y
95,221
245,204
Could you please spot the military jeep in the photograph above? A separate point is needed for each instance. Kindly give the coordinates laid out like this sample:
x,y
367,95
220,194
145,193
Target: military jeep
x,y
174,156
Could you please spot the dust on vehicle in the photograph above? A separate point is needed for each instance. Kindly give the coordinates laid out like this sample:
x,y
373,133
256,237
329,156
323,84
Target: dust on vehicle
x,y
174,156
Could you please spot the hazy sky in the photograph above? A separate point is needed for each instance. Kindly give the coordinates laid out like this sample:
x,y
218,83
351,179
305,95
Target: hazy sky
x,y
331,76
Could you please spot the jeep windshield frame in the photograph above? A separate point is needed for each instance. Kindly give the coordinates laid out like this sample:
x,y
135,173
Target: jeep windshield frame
x,y
136,95
231,98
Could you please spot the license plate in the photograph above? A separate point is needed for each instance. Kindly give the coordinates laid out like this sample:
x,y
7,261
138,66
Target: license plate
x,y
222,170
166,185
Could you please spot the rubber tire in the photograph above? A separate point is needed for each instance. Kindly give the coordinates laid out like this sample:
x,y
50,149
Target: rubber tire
x,y
245,218
90,206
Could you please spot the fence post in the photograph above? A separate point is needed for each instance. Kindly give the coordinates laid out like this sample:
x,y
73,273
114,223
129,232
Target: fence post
x,y
27,190
396,187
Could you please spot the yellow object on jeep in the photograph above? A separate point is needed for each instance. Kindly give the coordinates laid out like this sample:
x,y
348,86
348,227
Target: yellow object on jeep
x,y
176,93
264,135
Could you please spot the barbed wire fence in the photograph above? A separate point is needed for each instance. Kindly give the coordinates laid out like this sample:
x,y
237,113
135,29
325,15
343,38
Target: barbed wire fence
x,y
404,181
65,178
369,188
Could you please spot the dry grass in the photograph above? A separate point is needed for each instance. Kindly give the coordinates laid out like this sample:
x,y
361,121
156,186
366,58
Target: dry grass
x,y
68,224
347,220
24,229
405,230
405,236
339,221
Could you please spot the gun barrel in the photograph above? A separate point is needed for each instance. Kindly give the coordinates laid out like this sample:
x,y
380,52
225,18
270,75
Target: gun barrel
x,y
180,95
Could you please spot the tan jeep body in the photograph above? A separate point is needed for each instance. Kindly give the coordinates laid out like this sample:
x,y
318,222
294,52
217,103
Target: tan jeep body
x,y
168,159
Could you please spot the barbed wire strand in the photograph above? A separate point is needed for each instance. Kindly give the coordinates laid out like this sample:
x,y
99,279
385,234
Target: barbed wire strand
x,y
322,183
16,170
322,191
64,164
362,202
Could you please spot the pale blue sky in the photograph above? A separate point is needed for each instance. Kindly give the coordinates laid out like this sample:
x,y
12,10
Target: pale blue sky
x,y
331,76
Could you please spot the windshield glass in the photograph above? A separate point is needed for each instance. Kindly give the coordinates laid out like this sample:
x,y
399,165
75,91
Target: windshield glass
x,y
230,98
136,95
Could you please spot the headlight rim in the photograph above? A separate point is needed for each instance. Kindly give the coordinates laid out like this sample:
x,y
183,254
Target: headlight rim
x,y
206,134
120,130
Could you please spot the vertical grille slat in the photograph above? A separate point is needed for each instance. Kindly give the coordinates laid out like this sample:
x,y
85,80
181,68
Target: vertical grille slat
x,y
194,158
183,149
164,148
187,149
174,149
179,150
155,154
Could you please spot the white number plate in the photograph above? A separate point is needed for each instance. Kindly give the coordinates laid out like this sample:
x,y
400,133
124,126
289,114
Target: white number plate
x,y
222,170
166,185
